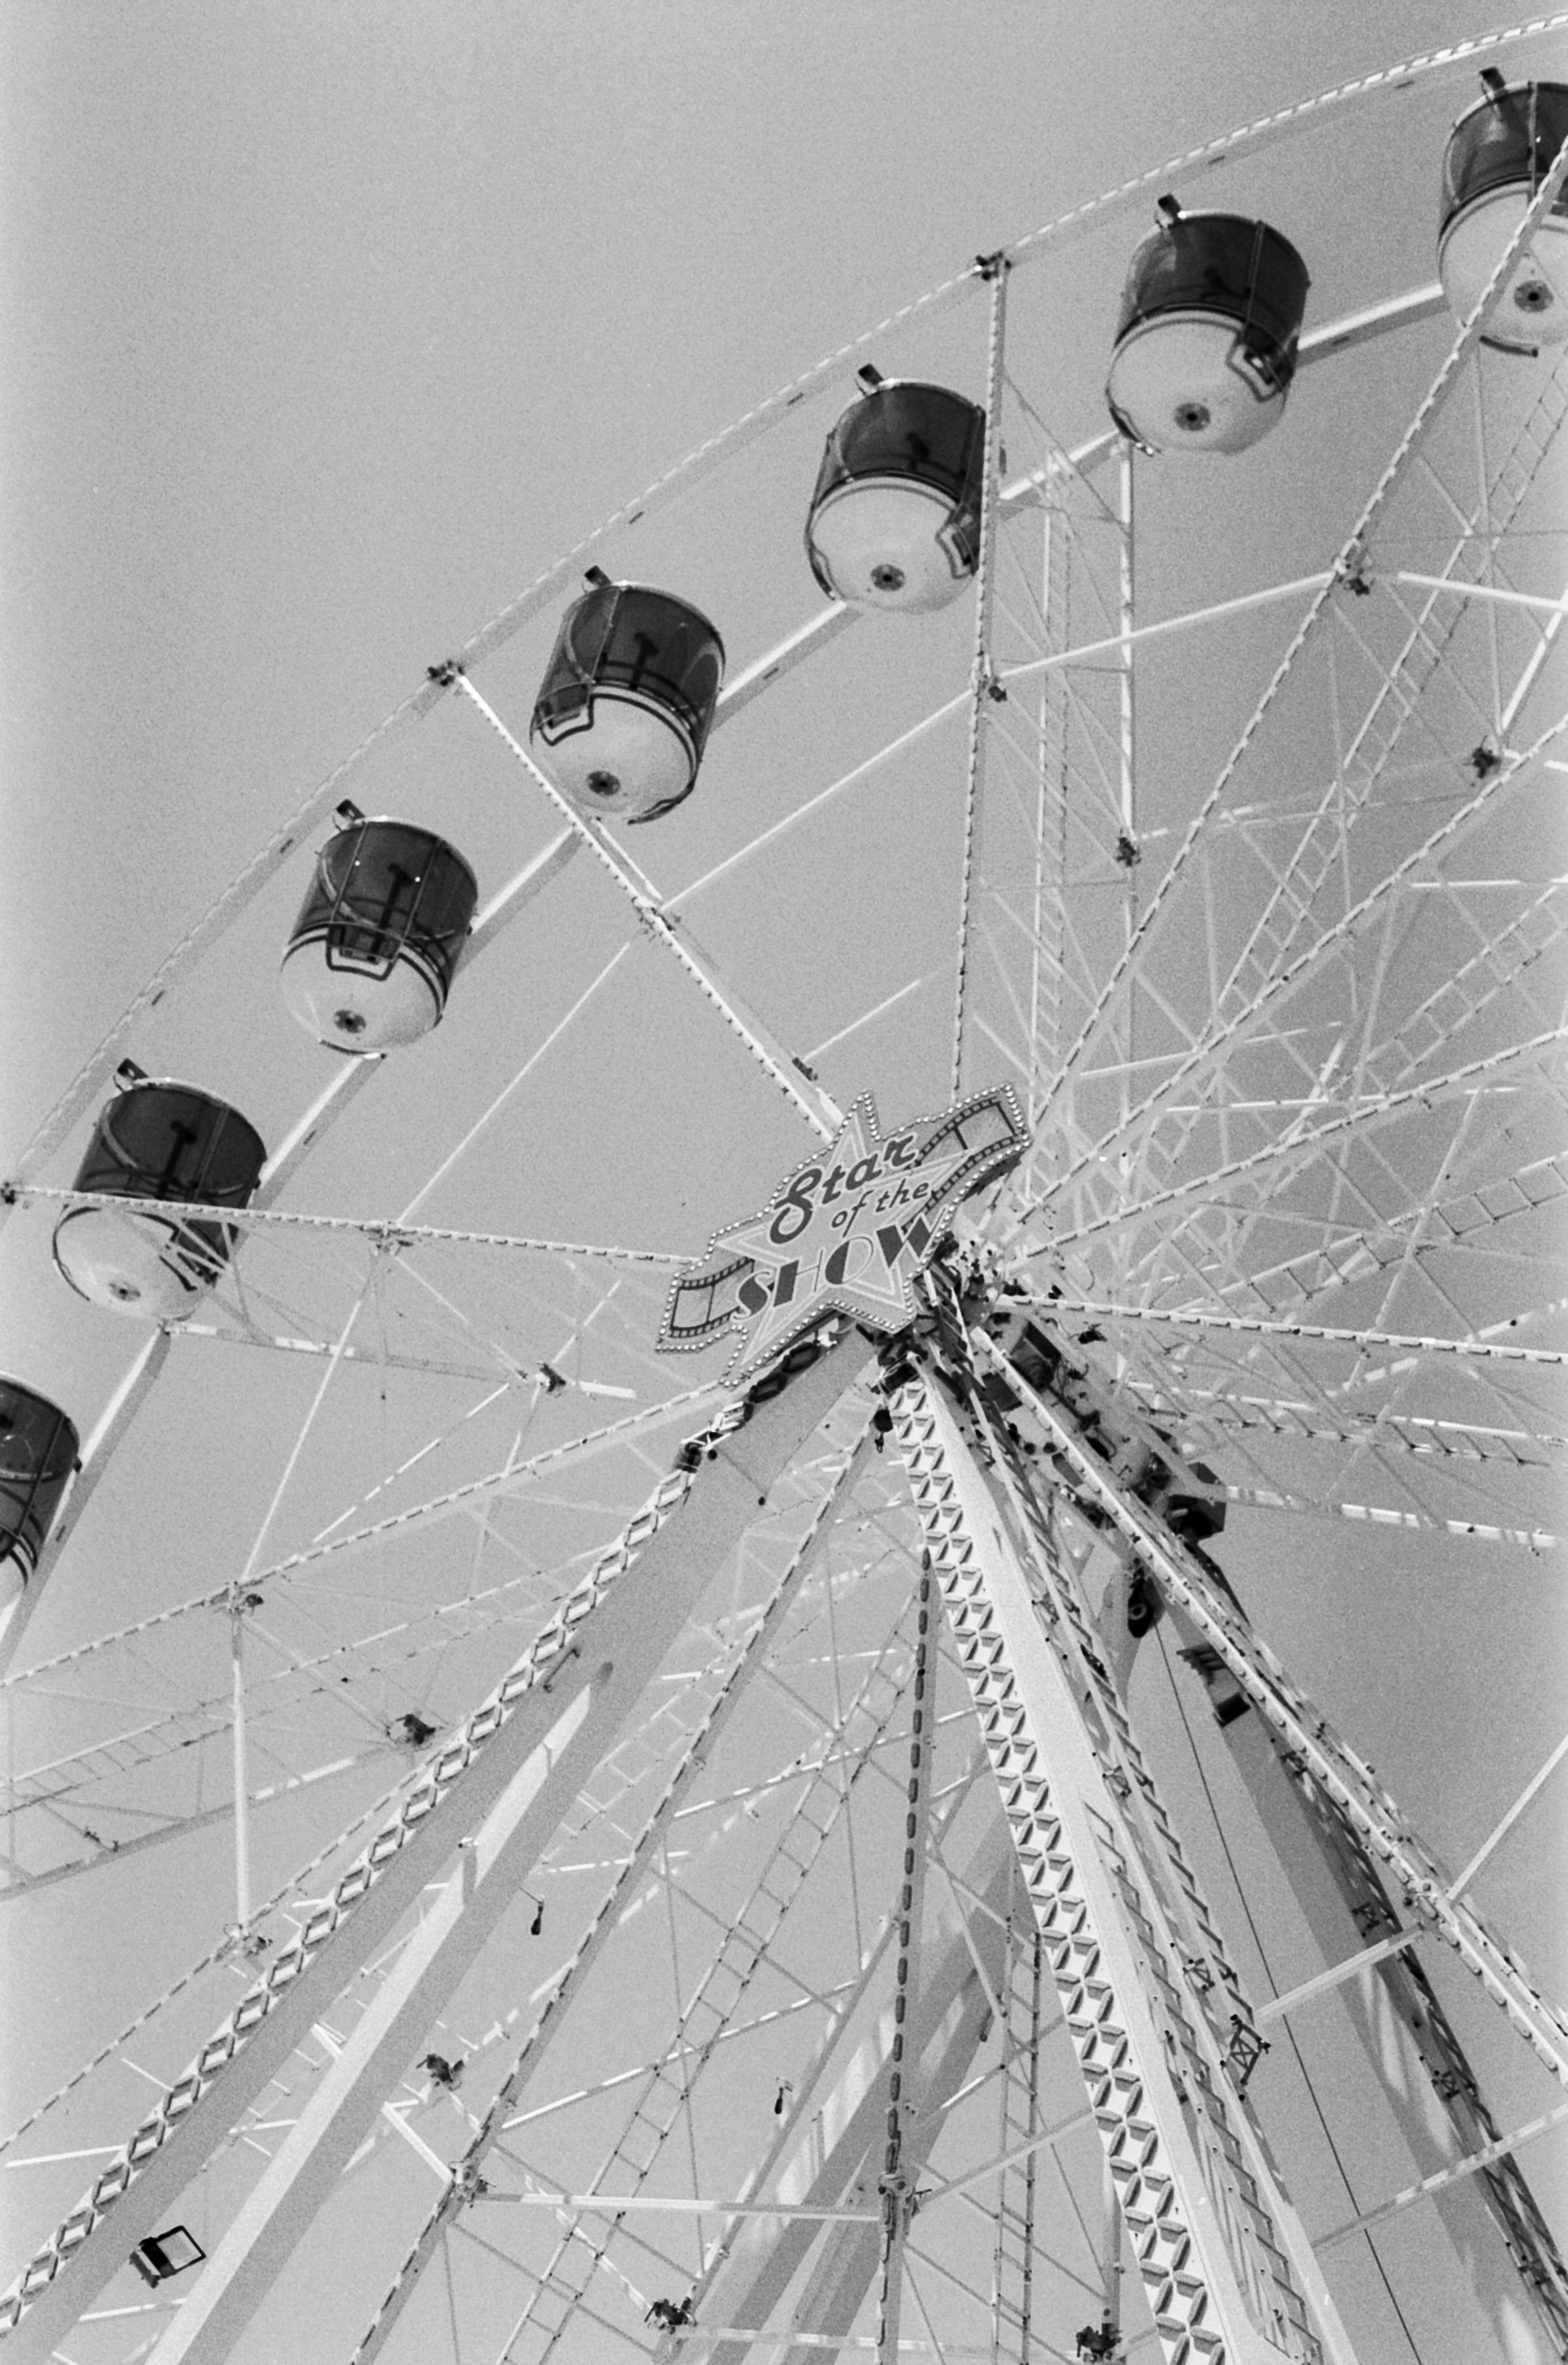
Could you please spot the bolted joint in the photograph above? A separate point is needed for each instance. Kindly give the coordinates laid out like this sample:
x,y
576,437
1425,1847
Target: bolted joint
x,y
445,673
1353,572
559,1665
1244,2052
242,1944
900,2200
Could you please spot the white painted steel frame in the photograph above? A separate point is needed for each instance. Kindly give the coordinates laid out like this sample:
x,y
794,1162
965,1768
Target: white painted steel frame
x,y
819,1110
894,2186
353,1078
360,1073
816,634
534,2050
1339,1888
847,2095
995,268
1117,1993
1341,1774
1440,2110
1346,571
601,1646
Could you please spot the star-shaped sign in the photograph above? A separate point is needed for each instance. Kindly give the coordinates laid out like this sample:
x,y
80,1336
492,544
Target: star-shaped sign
x,y
846,1233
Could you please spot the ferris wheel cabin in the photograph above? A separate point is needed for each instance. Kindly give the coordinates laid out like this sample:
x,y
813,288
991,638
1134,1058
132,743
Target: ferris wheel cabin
x,y
1206,340
1499,152
38,1450
628,701
895,517
158,1141
371,959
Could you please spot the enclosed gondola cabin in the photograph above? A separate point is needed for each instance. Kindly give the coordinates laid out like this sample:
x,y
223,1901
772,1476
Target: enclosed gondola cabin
x,y
1206,339
169,1142
895,517
1498,154
372,955
625,708
38,1449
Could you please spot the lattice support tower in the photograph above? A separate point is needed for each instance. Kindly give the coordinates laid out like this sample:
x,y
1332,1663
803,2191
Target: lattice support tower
x,y
1222,2261
1336,1880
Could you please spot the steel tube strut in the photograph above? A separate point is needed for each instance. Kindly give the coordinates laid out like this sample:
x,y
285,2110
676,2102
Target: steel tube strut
x,y
820,1111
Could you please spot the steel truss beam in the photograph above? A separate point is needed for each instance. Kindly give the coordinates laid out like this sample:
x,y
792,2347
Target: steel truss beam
x,y
1254,1326
664,2093
381,1231
1289,909
535,2047
893,2185
825,626
1022,2018
504,1781
1221,2257
821,1113
995,268
831,2146
1337,1884
1341,1895
1342,1775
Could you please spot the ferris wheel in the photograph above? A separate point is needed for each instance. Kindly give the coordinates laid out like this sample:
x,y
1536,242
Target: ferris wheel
x,y
983,1808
